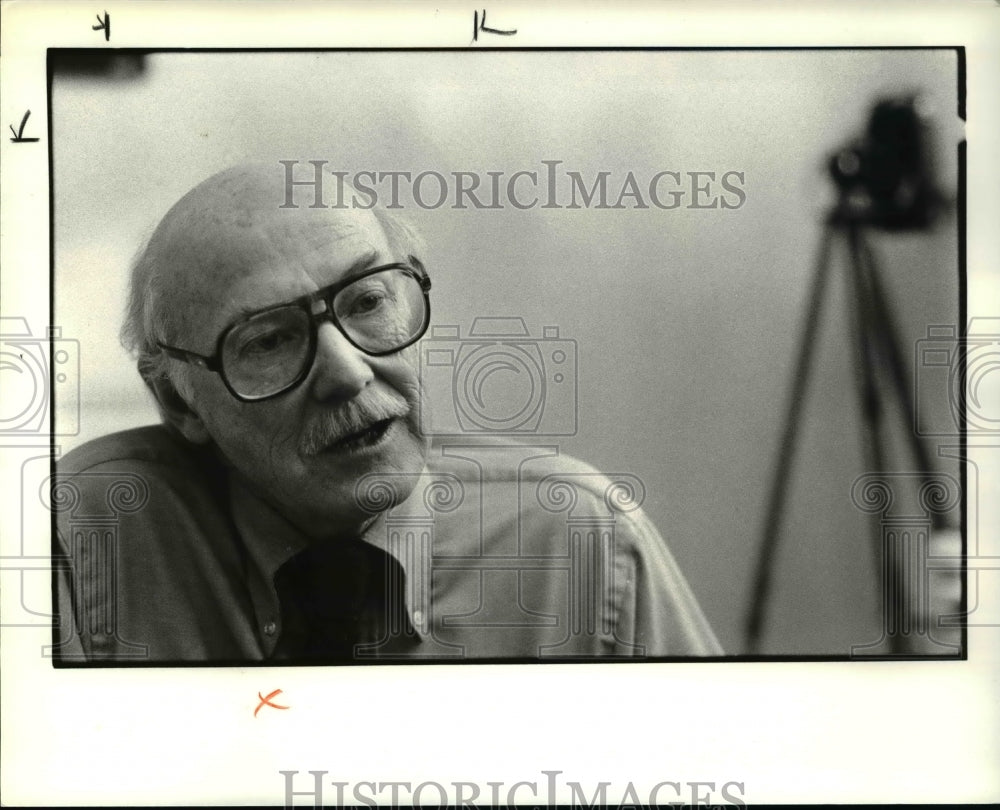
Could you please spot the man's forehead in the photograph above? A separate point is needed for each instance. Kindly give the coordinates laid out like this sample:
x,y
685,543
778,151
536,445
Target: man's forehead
x,y
247,201
230,246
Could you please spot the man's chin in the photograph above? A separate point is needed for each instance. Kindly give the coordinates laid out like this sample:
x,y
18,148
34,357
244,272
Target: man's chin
x,y
346,490
373,474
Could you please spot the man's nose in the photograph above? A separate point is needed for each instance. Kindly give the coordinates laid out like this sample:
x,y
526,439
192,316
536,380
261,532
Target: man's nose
x,y
340,370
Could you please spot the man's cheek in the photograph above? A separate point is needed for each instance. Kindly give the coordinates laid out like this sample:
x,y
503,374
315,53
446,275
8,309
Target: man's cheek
x,y
249,437
271,444
405,377
407,366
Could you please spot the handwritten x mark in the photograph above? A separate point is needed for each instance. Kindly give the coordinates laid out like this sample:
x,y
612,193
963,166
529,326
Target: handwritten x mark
x,y
19,132
266,701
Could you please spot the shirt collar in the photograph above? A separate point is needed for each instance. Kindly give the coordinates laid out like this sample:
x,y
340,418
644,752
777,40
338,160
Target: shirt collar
x,y
271,540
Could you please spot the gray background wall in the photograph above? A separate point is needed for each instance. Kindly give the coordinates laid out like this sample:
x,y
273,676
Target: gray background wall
x,y
686,321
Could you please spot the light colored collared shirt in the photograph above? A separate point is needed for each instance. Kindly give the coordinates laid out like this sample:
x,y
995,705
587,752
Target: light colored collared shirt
x,y
504,552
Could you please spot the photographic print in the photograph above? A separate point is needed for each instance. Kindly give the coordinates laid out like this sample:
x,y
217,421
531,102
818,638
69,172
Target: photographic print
x,y
478,353
608,264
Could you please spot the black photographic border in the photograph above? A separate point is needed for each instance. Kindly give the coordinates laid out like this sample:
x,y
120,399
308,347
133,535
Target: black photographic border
x,y
54,54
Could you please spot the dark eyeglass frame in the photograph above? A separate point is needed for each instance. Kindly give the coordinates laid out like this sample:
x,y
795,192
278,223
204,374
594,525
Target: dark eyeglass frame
x,y
306,302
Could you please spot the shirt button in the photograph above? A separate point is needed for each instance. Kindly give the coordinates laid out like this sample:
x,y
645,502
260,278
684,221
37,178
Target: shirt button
x,y
269,628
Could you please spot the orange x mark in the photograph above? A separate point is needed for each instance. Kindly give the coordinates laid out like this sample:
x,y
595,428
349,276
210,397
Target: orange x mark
x,y
266,701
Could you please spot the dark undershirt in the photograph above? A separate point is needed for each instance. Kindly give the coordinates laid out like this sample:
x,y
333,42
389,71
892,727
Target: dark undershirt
x,y
335,596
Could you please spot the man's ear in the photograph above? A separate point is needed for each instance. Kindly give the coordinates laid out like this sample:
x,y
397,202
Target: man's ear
x,y
175,410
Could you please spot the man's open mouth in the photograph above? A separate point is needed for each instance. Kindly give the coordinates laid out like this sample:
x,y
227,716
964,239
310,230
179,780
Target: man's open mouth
x,y
369,437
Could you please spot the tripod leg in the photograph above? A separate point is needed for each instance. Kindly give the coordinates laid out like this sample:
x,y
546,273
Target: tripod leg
x,y
906,588
864,327
888,334
779,485
894,555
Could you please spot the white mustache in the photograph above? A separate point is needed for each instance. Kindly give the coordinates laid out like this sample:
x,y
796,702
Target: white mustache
x,y
353,417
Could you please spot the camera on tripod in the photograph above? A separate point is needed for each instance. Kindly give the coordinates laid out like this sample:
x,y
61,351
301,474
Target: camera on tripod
x,y
886,178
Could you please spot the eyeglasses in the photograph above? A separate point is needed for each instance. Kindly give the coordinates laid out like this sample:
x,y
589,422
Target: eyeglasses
x,y
381,311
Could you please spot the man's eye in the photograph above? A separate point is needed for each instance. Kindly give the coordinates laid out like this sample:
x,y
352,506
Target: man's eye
x,y
367,302
364,303
268,342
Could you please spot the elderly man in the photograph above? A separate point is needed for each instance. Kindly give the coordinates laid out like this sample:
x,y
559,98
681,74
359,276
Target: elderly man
x,y
289,508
